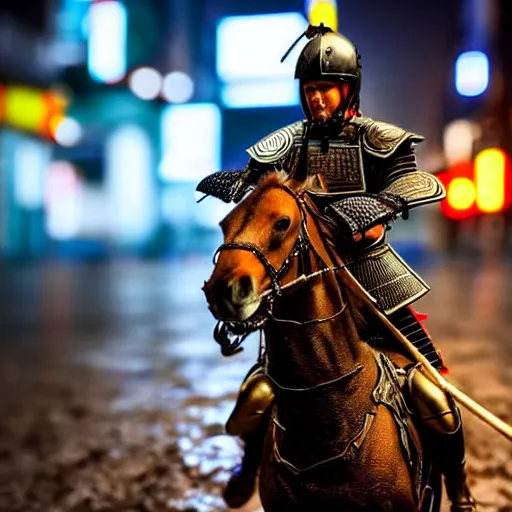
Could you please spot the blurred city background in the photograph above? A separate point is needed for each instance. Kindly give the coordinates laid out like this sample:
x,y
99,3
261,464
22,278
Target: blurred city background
x,y
111,112
113,392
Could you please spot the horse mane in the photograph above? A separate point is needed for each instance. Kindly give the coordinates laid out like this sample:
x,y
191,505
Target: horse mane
x,y
283,179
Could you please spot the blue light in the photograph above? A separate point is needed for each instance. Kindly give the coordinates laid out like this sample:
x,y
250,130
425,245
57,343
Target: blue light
x,y
106,55
251,47
30,160
277,93
132,211
471,73
191,141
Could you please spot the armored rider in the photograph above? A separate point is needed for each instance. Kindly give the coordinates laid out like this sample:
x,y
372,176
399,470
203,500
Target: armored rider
x,y
369,176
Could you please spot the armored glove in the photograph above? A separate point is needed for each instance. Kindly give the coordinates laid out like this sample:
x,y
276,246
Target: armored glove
x,y
228,185
357,214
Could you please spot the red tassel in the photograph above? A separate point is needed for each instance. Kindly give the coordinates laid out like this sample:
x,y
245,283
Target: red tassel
x,y
444,370
419,316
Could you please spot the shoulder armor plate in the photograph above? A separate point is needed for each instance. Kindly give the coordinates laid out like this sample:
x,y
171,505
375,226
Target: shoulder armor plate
x,y
382,139
276,145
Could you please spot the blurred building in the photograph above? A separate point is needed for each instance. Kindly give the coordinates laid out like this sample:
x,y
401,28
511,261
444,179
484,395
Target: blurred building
x,y
476,168
113,110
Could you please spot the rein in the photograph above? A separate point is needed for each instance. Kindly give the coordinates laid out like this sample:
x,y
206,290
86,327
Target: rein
x,y
313,321
275,275
344,376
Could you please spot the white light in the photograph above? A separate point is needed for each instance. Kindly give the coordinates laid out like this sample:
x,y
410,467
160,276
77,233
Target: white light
x,y
30,160
191,141
178,87
177,206
106,58
63,219
68,132
210,212
263,94
63,204
94,202
130,185
145,83
251,47
471,73
458,139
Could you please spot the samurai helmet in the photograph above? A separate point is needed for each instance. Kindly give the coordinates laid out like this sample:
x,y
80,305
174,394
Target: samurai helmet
x,y
331,57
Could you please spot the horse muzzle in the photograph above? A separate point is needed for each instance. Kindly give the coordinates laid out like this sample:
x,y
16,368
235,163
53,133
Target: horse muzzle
x,y
233,300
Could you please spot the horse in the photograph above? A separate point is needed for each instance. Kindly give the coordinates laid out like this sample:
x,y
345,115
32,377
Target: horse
x,y
333,442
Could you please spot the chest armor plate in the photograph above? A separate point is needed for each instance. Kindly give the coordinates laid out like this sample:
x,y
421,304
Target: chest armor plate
x,y
341,165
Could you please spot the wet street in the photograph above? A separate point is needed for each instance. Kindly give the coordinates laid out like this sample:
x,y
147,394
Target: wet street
x,y
114,394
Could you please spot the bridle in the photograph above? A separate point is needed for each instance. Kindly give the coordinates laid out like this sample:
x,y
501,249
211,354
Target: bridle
x,y
230,335
275,275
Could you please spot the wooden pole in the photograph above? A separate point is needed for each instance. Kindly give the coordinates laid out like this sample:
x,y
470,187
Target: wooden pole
x,y
474,407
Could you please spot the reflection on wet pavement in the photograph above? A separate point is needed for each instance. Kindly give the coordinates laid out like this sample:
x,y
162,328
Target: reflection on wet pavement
x,y
115,394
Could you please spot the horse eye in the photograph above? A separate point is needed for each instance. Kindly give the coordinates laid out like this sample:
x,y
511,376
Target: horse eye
x,y
282,224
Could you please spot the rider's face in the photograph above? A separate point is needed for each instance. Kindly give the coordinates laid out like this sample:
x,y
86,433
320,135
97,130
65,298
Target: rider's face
x,y
324,98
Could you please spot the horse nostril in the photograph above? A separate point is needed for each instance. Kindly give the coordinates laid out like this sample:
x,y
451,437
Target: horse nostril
x,y
245,287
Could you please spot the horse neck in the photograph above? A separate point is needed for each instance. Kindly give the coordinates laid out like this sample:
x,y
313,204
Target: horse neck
x,y
302,355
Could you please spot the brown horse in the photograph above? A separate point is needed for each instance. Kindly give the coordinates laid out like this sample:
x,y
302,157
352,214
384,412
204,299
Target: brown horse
x,y
333,442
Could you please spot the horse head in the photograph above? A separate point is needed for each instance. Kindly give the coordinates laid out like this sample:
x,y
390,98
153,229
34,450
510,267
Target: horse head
x,y
262,236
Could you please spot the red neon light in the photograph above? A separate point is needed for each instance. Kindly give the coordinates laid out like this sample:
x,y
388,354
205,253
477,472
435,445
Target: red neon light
x,y
491,169
451,206
470,189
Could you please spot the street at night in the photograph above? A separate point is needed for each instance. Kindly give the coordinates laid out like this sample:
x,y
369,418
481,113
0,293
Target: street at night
x,y
114,393
118,117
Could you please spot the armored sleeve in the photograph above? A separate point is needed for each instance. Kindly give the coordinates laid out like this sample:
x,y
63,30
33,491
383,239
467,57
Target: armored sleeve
x,y
391,148
401,177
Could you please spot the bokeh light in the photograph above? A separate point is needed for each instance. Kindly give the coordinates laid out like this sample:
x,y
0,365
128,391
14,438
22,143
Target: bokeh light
x,y
67,132
325,12
458,140
178,87
63,201
472,73
461,193
106,55
145,83
490,167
